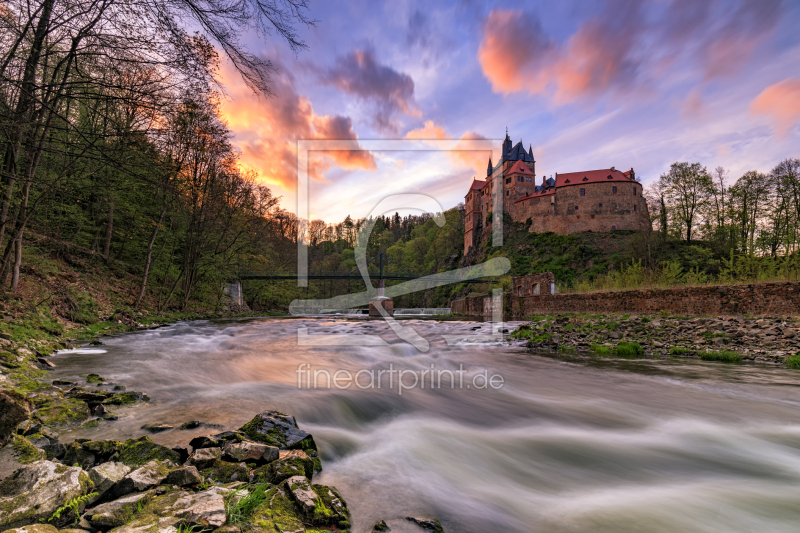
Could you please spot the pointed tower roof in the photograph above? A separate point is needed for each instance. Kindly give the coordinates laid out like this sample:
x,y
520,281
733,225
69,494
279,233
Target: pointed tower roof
x,y
489,170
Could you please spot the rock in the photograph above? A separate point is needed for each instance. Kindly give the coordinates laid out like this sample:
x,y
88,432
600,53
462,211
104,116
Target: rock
x,y
136,453
117,512
183,477
430,524
76,455
205,457
789,333
14,409
250,452
614,335
157,428
216,441
205,508
54,450
278,471
106,475
332,509
183,453
303,496
100,411
225,472
143,478
165,524
34,528
380,527
35,491
63,382
277,429
193,424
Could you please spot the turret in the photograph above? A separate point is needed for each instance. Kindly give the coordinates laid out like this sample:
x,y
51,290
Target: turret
x,y
489,169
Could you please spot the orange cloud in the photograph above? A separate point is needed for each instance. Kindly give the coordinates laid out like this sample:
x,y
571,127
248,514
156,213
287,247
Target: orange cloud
x,y
781,102
267,130
461,155
515,55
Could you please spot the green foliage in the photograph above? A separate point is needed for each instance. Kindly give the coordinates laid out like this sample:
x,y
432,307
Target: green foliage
x,y
726,356
679,350
629,349
793,361
72,505
239,508
26,451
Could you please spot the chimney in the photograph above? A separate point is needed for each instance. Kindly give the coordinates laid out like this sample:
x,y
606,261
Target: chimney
x,y
633,175
613,169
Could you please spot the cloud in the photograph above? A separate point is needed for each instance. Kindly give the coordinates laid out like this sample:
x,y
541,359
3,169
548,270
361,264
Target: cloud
x,y
392,92
624,47
266,130
516,55
461,156
781,102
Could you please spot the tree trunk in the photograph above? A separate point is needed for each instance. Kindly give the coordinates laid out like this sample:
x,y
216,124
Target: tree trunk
x,y
109,230
149,258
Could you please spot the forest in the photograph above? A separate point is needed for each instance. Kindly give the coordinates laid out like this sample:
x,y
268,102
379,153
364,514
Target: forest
x,y
113,147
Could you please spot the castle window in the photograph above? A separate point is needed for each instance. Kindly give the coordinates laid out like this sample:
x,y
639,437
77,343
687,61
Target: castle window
x,y
566,181
576,208
508,193
585,178
613,228
610,177
508,180
519,291
634,208
583,192
601,205
613,190
535,289
529,180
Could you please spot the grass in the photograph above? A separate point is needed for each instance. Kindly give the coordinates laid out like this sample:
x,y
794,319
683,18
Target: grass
x,y
623,349
679,350
239,509
726,356
793,361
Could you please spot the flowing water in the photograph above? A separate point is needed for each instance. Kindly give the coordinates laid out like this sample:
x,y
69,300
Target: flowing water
x,y
573,444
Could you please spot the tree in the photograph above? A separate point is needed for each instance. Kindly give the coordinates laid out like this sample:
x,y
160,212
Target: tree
x,y
686,190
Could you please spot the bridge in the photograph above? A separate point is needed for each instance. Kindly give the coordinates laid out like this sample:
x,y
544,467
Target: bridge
x,y
383,273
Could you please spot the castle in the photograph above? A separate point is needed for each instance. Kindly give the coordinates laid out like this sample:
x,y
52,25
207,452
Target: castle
x,y
594,200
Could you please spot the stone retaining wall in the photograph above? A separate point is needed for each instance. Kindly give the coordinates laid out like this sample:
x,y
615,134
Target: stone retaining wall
x,y
762,299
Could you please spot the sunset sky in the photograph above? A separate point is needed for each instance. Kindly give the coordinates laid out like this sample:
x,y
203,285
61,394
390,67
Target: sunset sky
x,y
588,85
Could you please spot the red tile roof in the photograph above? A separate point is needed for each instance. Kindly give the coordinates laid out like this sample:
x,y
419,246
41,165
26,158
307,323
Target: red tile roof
x,y
477,185
519,168
590,176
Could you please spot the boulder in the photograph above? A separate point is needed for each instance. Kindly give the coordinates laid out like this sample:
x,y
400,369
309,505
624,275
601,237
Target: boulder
x,y
277,514
76,455
137,452
117,512
36,490
14,409
250,452
20,451
303,496
34,528
217,440
157,428
106,475
282,469
429,524
225,472
183,477
331,508
277,429
204,457
166,524
143,478
206,508
381,527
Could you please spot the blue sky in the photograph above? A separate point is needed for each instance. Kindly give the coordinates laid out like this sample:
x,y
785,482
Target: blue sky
x,y
588,85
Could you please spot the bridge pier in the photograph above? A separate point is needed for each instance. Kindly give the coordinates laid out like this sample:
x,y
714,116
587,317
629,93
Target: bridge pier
x,y
381,302
234,290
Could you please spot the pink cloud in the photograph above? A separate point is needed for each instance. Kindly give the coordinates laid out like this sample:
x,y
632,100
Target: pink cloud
x,y
781,102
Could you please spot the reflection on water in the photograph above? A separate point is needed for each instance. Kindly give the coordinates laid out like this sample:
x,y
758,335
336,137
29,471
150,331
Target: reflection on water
x,y
568,444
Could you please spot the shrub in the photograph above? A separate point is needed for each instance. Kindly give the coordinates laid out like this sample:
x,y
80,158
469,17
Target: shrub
x,y
629,349
599,349
679,350
793,361
726,356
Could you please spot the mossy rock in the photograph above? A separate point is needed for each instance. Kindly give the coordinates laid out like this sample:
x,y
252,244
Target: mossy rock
x,y
126,398
277,513
225,472
282,469
94,378
278,429
331,508
137,452
25,451
63,412
14,409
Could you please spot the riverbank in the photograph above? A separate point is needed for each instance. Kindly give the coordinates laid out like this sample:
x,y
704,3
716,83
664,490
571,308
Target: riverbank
x,y
729,339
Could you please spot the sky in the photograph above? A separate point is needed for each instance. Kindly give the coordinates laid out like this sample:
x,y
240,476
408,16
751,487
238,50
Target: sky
x,y
586,84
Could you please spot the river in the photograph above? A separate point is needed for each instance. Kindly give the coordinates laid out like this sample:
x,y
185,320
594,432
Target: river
x,y
553,444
